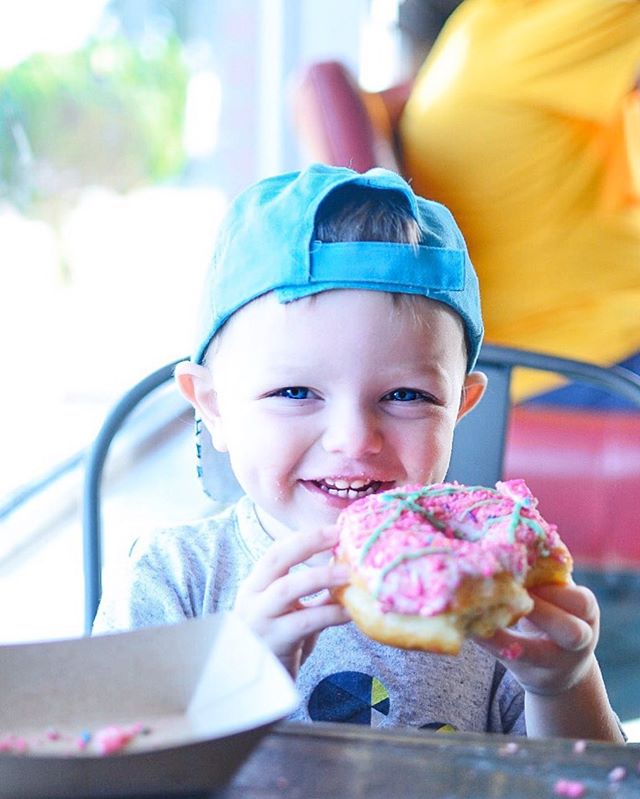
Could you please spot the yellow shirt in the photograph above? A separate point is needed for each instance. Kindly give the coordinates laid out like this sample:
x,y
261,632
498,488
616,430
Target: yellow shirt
x,y
523,120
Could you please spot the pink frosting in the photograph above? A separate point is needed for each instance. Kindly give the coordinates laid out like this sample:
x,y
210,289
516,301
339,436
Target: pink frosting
x,y
414,545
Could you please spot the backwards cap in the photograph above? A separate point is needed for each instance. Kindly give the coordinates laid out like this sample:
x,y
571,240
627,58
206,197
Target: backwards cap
x,y
266,243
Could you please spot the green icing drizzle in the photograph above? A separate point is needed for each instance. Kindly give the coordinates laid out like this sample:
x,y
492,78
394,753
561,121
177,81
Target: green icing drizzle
x,y
403,556
408,501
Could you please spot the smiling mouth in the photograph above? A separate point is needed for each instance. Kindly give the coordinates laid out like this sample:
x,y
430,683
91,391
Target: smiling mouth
x,y
348,489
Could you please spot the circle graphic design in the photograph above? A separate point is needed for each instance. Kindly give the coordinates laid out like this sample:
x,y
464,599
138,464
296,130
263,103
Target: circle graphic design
x,y
350,696
439,726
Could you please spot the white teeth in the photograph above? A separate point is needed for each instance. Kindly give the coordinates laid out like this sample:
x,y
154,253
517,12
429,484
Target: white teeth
x,y
346,489
342,484
345,493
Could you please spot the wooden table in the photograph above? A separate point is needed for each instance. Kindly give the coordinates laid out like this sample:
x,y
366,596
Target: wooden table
x,y
336,761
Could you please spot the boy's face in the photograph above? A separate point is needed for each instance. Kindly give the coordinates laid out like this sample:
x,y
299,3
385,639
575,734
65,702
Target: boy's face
x,y
325,399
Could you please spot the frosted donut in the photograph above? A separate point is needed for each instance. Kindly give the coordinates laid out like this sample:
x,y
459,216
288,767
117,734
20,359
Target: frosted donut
x,y
433,564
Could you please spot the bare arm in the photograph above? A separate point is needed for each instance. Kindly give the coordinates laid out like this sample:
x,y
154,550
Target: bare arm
x,y
580,712
565,695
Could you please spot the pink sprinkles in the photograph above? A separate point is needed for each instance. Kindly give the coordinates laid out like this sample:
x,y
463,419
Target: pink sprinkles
x,y
112,739
569,788
104,741
15,744
416,544
512,652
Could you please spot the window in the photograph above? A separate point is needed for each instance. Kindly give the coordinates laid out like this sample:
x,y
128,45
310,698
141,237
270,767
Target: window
x,y
124,128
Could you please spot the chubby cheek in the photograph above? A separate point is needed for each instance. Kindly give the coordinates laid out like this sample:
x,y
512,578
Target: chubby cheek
x,y
427,458
264,462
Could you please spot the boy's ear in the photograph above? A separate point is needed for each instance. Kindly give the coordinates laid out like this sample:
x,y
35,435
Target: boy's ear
x,y
196,386
474,387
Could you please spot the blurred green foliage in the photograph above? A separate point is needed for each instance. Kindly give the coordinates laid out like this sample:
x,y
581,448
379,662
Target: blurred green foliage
x,y
109,114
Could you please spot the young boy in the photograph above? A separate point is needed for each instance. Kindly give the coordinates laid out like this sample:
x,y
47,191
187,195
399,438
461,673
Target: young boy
x,y
341,328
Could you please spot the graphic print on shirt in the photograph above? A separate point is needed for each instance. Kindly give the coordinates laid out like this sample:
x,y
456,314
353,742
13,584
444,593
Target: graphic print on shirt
x,y
350,696
439,726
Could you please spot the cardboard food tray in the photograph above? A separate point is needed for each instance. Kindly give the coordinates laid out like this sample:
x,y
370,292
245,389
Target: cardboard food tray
x,y
204,691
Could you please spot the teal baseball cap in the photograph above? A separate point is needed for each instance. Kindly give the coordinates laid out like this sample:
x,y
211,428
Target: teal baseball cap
x,y
266,243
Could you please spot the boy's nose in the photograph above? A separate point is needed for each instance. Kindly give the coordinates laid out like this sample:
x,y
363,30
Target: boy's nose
x,y
353,432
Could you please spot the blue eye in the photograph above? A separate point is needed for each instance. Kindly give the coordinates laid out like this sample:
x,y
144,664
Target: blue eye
x,y
293,392
406,395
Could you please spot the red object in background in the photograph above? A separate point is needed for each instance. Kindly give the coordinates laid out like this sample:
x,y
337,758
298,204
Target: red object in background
x,y
332,119
584,467
339,123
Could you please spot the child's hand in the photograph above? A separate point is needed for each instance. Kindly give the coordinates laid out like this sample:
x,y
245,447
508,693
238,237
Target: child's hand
x,y
551,650
551,654
277,605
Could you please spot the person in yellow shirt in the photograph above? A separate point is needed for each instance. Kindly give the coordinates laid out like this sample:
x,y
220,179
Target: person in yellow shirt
x,y
525,120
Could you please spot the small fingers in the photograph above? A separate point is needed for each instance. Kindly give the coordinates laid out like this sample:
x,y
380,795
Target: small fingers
x,y
565,629
566,616
577,600
288,552
303,625
499,644
287,592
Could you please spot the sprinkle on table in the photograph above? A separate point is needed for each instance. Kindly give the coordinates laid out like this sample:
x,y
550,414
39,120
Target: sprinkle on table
x,y
510,748
83,739
617,774
15,744
571,788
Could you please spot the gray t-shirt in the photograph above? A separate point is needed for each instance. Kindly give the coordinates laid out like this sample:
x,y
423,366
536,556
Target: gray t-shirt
x,y
196,569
